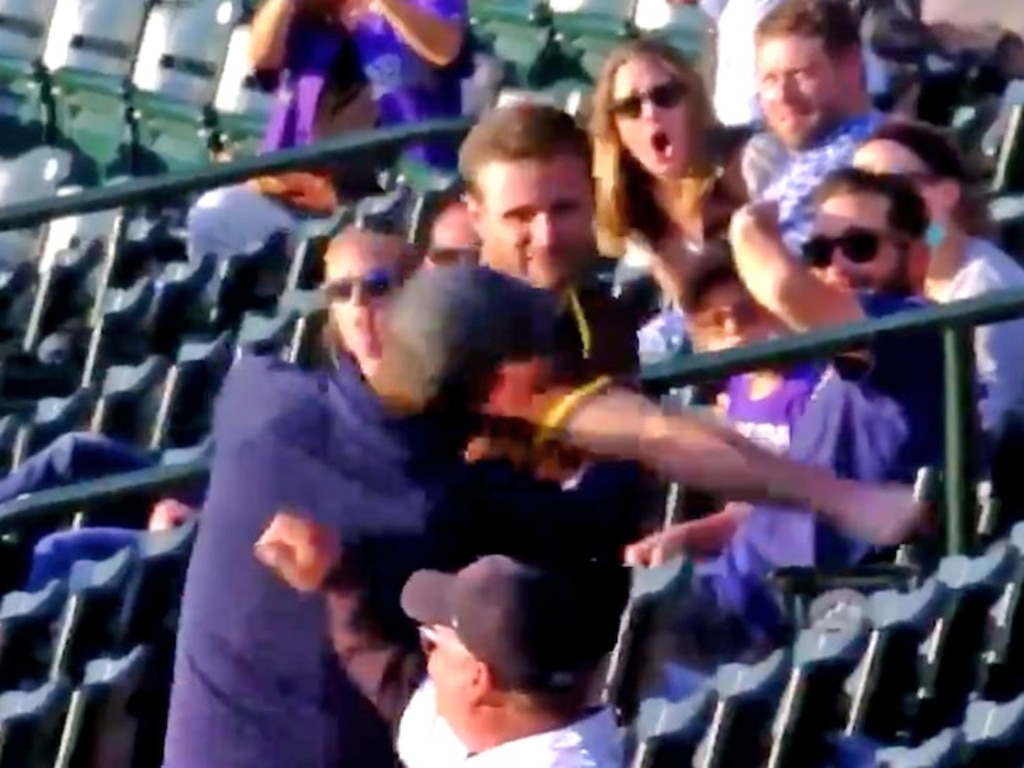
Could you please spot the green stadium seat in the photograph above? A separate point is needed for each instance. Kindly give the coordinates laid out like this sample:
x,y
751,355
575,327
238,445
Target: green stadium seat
x,y
1009,140
114,339
90,51
809,710
102,726
681,25
994,733
593,19
1002,660
182,53
886,676
265,334
531,12
241,106
30,725
943,751
945,682
188,399
52,417
189,455
89,624
533,58
654,593
128,408
26,621
26,115
747,697
669,732
180,304
153,595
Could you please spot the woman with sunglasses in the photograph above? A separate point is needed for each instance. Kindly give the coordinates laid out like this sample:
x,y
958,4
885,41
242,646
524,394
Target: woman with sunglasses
x,y
658,194
255,680
964,262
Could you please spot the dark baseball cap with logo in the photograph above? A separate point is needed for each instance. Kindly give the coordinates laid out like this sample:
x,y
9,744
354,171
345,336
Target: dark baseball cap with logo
x,y
450,325
532,627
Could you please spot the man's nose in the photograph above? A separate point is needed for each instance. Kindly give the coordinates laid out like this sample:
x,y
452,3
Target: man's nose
x,y
543,231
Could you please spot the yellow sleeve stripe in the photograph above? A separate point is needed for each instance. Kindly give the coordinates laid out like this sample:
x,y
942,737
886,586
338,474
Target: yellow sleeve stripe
x,y
582,325
560,412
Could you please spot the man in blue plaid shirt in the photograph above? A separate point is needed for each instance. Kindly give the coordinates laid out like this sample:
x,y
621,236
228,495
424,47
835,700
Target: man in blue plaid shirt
x,y
814,96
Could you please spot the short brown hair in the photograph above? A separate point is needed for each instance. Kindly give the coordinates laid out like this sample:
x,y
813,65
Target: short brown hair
x,y
832,21
907,212
521,132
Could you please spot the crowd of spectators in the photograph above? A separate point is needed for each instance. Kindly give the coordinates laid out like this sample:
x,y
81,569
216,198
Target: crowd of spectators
x,y
412,548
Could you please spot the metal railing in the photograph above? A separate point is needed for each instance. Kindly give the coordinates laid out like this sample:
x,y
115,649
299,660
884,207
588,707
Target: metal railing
x,y
954,321
148,188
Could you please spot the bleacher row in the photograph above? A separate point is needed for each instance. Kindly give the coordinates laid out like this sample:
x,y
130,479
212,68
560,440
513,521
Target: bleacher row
x,y
109,323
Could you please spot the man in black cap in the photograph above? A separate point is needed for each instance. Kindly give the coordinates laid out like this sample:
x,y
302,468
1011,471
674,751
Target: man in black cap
x,y
507,664
493,335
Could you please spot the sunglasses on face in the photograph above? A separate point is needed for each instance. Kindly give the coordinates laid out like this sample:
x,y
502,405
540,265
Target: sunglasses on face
x,y
857,245
663,96
375,284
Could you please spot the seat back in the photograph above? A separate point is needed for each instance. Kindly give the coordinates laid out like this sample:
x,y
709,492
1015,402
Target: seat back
x,y
183,49
23,26
97,36
238,92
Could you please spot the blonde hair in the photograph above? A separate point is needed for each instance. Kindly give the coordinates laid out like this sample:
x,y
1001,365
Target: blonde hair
x,y
623,194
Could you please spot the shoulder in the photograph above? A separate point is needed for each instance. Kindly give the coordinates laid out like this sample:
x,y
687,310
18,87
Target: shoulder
x,y
262,393
880,305
986,268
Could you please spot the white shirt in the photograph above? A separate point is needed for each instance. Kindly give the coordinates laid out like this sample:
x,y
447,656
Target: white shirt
x,y
426,741
998,349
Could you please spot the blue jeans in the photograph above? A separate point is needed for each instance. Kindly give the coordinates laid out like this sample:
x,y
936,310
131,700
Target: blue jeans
x,y
72,458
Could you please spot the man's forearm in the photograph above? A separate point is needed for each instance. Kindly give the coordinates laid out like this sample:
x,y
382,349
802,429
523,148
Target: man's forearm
x,y
696,451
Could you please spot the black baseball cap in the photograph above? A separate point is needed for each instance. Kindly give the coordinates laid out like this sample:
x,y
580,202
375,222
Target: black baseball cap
x,y
524,622
450,325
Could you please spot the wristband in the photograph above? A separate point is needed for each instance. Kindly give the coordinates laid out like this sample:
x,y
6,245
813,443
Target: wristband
x,y
562,411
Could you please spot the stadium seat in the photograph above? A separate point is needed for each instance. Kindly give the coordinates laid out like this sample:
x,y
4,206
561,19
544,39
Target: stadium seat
x,y
153,592
186,408
809,710
669,732
635,661
886,675
89,624
102,725
89,53
27,115
52,417
241,105
30,725
1002,660
113,340
26,643
181,54
747,697
130,402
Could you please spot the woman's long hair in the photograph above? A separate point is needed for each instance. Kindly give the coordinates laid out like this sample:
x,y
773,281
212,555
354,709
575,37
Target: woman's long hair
x,y
624,193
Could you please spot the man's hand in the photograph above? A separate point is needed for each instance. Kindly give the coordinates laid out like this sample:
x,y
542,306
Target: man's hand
x,y
298,550
884,515
168,514
755,224
658,548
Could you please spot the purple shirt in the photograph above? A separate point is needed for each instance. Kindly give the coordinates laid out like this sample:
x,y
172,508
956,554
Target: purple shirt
x,y
407,88
768,421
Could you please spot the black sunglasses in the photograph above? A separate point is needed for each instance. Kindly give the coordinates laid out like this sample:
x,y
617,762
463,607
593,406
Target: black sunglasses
x,y
447,256
663,96
857,245
375,284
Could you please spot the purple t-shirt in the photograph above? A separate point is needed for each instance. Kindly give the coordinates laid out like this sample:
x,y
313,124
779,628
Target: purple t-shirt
x,y
877,421
407,88
768,421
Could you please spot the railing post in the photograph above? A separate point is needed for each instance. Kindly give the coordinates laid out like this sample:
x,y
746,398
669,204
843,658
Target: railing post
x,y
961,421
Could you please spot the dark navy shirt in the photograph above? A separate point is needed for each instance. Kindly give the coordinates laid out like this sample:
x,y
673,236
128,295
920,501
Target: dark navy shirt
x,y
874,419
256,681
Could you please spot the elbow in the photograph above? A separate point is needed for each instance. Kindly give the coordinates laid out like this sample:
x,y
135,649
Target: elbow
x,y
447,47
263,58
